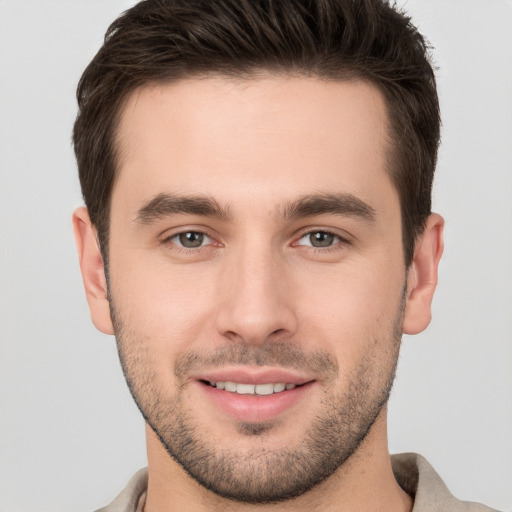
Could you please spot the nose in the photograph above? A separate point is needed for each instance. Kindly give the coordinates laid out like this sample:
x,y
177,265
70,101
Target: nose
x,y
256,303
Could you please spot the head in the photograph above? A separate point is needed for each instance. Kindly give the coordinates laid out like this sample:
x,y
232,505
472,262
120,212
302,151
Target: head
x,y
164,42
258,175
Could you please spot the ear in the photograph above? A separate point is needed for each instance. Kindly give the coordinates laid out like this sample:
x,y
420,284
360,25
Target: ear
x,y
93,270
422,276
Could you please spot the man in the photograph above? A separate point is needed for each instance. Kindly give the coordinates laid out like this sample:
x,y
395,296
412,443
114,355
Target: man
x,y
258,236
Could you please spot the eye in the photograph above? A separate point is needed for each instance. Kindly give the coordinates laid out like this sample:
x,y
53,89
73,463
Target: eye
x,y
319,239
190,239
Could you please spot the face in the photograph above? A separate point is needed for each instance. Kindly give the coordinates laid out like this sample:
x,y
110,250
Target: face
x,y
256,277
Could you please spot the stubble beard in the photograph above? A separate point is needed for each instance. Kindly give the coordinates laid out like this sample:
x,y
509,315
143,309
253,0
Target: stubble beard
x,y
262,475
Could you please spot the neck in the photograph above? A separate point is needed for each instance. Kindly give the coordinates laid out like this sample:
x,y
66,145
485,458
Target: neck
x,y
365,482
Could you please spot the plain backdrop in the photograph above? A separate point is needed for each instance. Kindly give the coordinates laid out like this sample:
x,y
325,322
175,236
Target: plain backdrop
x,y
70,436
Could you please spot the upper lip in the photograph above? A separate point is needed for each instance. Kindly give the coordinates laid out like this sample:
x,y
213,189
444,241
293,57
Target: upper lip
x,y
253,375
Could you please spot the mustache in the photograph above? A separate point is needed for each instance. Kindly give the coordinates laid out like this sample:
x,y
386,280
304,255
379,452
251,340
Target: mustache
x,y
272,354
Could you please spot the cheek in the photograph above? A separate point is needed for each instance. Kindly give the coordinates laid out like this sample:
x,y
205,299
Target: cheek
x,y
340,308
352,308
169,305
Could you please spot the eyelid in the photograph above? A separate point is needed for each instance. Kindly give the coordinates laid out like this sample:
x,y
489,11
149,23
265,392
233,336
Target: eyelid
x,y
206,240
343,236
169,234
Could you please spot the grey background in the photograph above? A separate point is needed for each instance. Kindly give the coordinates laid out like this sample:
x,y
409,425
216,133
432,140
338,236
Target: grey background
x,y
70,436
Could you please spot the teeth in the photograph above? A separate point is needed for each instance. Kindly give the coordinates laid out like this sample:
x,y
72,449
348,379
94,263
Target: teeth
x,y
265,389
230,386
245,389
252,389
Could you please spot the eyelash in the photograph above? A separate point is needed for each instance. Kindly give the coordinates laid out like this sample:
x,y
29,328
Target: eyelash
x,y
337,245
189,250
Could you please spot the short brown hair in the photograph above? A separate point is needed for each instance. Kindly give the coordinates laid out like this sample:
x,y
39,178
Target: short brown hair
x,y
166,40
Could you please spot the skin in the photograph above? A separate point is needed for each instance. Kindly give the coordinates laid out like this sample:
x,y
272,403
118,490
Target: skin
x,y
255,147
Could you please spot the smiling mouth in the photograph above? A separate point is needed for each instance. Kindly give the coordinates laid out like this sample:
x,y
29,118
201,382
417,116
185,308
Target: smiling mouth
x,y
252,389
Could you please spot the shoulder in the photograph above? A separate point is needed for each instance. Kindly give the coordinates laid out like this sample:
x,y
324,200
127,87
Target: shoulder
x,y
129,498
419,479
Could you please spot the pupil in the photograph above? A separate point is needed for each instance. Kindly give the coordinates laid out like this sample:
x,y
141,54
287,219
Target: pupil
x,y
321,239
191,239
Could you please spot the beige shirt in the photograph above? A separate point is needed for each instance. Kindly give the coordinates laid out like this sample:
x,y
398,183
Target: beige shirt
x,y
414,474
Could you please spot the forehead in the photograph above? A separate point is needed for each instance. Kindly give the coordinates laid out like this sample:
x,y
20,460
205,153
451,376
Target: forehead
x,y
273,136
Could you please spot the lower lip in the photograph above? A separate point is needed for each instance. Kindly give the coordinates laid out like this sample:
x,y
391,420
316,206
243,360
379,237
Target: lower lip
x,y
255,408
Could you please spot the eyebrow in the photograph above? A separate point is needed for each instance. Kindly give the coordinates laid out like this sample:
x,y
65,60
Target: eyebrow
x,y
164,205
336,204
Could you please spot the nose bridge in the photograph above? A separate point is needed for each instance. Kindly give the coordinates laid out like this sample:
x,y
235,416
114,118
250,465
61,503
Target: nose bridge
x,y
255,304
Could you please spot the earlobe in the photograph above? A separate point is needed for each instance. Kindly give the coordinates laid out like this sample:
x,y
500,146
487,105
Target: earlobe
x,y
422,276
93,271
